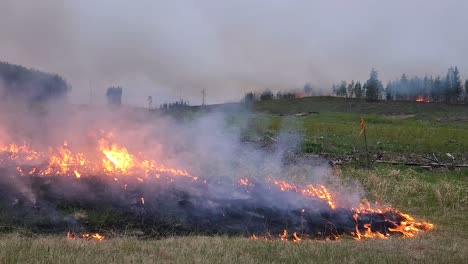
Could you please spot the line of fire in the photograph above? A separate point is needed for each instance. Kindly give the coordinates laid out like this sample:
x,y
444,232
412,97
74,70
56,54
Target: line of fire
x,y
110,177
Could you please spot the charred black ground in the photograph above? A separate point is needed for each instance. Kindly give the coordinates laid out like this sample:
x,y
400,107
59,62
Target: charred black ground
x,y
174,206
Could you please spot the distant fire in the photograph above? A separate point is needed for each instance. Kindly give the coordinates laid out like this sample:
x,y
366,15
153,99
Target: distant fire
x,y
318,214
86,236
421,99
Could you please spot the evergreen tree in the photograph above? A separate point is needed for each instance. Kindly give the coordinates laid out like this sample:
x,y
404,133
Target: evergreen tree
x,y
457,86
448,86
374,87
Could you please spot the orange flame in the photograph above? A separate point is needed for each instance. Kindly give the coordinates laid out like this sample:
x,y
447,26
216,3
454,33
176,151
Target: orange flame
x,y
95,236
421,99
296,239
309,190
113,160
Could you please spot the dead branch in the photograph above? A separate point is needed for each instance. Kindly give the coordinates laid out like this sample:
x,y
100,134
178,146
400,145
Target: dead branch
x,y
432,164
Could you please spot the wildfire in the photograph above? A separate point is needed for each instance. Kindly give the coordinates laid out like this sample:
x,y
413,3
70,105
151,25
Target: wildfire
x,y
296,239
421,99
24,152
63,161
112,160
86,236
244,181
308,190
407,227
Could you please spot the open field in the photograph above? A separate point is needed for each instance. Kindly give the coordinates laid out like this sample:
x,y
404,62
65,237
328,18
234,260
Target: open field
x,y
430,248
394,127
353,105
437,197
398,131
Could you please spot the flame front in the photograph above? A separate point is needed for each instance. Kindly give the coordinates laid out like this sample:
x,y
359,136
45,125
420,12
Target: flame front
x,y
114,161
86,236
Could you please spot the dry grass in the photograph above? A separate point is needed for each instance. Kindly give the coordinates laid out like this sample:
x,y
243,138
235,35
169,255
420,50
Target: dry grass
x,y
435,247
438,197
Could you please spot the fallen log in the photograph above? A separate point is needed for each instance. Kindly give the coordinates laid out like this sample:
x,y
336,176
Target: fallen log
x,y
432,164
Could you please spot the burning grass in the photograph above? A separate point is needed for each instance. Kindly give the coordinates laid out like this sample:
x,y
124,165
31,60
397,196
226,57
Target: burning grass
x,y
442,199
142,191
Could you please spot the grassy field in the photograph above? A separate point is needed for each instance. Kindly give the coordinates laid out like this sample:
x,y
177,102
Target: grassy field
x,y
399,129
438,197
430,248
360,106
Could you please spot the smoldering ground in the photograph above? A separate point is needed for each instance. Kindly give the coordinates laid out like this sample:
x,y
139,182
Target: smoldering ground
x,y
221,183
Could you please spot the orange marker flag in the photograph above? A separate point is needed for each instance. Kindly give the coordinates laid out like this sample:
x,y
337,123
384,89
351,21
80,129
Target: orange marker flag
x,y
363,126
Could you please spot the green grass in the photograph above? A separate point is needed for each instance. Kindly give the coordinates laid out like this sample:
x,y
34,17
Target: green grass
x,y
332,132
338,132
335,104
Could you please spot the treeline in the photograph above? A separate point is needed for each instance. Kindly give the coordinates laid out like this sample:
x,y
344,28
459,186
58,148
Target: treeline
x,y
177,105
449,88
307,90
29,85
268,95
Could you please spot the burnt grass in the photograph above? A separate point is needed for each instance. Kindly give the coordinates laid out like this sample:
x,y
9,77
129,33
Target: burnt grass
x,y
56,205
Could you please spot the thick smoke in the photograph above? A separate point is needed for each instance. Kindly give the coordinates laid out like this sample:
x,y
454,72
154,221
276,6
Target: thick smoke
x,y
170,50
211,146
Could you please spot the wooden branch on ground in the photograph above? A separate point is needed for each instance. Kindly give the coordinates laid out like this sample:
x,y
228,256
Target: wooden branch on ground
x,y
432,164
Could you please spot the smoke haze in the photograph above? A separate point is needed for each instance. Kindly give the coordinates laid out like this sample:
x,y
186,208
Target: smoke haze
x,y
171,49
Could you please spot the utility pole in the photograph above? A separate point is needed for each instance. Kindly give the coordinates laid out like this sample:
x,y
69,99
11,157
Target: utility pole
x,y
203,96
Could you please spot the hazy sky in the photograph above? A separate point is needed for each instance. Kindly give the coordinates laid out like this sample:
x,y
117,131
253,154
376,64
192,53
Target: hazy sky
x,y
172,49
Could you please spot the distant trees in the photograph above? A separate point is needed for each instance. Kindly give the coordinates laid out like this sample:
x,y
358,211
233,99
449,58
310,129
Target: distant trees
x,y
448,89
285,95
32,86
341,90
266,95
114,95
358,90
353,89
177,105
249,98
